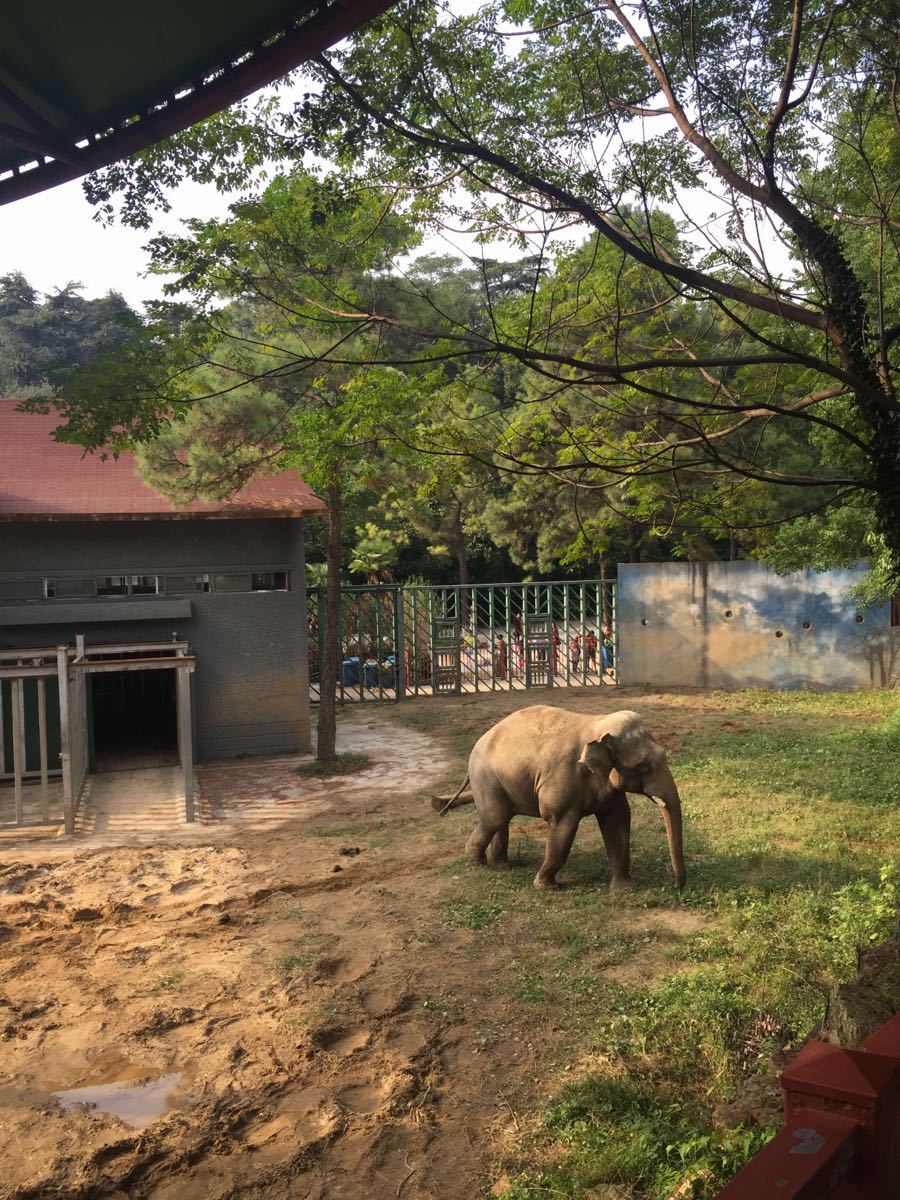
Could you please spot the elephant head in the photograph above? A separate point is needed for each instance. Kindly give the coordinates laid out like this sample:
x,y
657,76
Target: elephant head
x,y
626,756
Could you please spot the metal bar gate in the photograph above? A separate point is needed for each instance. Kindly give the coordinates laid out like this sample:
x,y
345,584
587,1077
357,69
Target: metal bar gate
x,y
398,641
44,724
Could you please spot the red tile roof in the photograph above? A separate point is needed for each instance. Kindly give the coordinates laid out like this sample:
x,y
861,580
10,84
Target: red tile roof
x,y
41,479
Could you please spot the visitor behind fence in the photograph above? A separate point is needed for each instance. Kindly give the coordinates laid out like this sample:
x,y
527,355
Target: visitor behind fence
x,y
606,648
590,650
502,654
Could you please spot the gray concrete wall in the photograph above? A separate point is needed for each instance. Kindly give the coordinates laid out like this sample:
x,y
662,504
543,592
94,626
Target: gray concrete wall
x,y
738,624
251,691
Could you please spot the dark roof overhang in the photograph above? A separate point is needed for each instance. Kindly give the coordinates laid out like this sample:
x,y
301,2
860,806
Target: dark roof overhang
x,y
84,85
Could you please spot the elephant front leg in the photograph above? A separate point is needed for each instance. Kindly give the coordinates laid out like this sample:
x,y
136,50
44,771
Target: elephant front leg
x,y
615,826
559,843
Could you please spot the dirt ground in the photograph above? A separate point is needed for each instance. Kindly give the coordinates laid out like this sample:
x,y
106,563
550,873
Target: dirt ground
x,y
278,996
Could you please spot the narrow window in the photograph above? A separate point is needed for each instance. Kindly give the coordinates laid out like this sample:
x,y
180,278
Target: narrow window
x,y
187,583
63,589
270,581
233,583
20,589
112,585
144,585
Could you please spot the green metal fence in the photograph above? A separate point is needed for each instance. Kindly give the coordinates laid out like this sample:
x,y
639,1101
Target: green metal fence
x,y
405,641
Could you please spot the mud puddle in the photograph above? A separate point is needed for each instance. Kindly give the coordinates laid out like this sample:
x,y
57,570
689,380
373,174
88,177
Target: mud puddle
x,y
137,1102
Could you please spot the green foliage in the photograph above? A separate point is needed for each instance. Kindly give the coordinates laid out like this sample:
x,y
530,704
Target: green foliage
x,y
864,913
42,338
682,379
630,1133
376,552
530,989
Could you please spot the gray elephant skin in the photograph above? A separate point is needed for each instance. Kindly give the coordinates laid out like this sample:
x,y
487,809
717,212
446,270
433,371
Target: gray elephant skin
x,y
550,763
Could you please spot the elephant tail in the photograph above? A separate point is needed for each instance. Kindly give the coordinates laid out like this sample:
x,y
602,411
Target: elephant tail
x,y
441,804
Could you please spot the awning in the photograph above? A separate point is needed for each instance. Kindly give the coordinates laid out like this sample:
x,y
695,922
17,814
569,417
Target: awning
x,y
82,85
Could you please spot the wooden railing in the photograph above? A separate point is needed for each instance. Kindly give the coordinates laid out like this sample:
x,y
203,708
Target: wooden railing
x,y
841,1137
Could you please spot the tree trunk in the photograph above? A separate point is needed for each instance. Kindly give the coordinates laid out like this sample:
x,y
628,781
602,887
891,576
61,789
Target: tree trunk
x,y
733,547
850,333
462,560
327,729
634,543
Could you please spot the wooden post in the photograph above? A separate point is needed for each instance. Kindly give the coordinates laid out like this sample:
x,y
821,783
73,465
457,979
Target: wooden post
x,y
185,740
42,738
842,1119
18,739
62,674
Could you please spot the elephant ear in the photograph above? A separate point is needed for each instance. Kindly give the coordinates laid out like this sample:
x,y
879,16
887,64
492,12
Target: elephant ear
x,y
601,756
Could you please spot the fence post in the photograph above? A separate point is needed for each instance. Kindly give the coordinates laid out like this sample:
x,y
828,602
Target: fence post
x,y
399,646
842,1126
18,740
62,673
185,739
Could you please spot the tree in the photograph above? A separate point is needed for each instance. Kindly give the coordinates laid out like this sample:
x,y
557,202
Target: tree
x,y
768,132
40,338
252,379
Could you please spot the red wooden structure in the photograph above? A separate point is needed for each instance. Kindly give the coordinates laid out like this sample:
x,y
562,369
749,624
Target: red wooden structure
x,y
841,1138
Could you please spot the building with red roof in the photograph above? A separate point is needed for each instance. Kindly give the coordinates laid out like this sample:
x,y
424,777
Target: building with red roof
x,y
92,557
45,480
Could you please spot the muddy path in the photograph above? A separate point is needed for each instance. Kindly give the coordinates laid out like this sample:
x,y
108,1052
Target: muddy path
x,y
280,982
276,1004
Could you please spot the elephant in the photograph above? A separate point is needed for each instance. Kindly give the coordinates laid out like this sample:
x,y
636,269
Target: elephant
x,y
550,763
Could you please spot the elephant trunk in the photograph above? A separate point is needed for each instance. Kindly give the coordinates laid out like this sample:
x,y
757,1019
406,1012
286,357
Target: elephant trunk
x,y
666,796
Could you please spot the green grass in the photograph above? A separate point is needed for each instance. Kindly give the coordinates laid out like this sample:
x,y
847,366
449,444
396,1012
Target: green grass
x,y
473,916
347,763
292,965
171,981
792,832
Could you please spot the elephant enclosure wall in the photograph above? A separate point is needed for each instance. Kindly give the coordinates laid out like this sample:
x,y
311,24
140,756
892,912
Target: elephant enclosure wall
x,y
738,624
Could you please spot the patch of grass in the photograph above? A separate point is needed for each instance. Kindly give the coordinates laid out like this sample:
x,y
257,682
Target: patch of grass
x,y
473,916
330,1010
169,982
530,988
791,838
347,763
292,965
374,832
631,1134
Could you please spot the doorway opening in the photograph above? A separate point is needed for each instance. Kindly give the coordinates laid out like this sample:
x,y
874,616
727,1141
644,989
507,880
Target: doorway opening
x,y
134,720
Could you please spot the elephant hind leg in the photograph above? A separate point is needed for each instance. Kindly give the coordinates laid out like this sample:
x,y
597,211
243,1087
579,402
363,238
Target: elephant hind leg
x,y
494,812
476,847
500,847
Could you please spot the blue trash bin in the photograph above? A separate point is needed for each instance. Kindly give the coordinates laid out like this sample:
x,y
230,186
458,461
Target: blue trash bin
x,y
350,672
370,670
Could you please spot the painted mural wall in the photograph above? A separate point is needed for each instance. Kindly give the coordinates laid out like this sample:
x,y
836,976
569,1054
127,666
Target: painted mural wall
x,y
738,624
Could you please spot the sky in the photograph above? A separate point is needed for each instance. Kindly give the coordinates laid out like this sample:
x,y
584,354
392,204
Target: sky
x,y
53,239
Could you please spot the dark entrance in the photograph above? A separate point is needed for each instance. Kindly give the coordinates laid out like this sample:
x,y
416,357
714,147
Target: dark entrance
x,y
134,720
